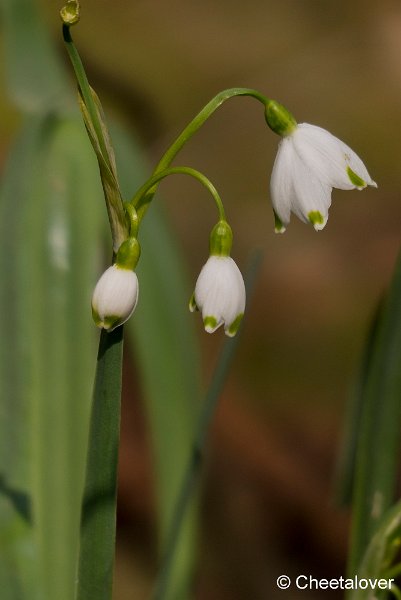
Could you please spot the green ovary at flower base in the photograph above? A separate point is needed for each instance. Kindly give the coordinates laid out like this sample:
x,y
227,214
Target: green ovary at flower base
x,y
220,291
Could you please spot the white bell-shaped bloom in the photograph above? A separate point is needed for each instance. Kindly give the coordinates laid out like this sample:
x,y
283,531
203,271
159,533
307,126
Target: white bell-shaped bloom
x,y
115,297
220,295
309,163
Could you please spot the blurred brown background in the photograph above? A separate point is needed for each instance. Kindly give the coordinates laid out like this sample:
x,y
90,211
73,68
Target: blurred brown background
x,y
267,507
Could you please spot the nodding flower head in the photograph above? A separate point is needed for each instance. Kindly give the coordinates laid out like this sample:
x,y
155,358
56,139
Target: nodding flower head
x,y
115,297
116,293
220,295
220,291
309,163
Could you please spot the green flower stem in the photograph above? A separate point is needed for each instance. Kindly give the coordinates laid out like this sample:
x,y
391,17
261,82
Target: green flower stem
x,y
189,131
150,186
84,87
133,221
198,447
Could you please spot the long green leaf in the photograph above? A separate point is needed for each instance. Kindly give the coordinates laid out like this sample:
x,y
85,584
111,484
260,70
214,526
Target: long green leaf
x,y
379,432
378,559
352,423
35,77
17,567
98,530
50,230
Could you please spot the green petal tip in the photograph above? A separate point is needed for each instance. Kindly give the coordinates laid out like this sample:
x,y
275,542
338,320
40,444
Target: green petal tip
x,y
233,329
316,218
210,324
278,224
192,304
357,181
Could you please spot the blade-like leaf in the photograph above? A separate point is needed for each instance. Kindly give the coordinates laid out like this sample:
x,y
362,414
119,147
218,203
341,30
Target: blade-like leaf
x,y
377,458
18,569
98,529
50,229
346,468
35,79
379,556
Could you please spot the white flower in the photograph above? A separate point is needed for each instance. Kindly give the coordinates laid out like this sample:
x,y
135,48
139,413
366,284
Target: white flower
x,y
309,163
115,297
220,295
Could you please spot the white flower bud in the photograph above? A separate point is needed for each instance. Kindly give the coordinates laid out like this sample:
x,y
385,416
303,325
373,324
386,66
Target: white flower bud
x,y
220,295
115,297
309,163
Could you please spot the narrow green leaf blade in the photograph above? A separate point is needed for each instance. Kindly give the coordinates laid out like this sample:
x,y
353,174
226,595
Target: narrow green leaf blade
x,y
379,433
35,76
18,567
51,224
346,468
378,559
98,528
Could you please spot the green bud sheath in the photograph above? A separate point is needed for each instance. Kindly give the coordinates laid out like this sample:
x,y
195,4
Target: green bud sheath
x,y
128,254
221,239
279,119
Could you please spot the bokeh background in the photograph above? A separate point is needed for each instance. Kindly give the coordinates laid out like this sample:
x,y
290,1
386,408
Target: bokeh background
x,y
268,501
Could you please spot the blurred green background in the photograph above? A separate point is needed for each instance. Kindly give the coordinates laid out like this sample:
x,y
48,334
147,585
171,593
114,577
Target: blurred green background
x,y
269,476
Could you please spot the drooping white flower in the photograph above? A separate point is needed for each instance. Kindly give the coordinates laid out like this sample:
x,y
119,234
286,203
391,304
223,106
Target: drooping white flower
x,y
309,163
220,295
115,297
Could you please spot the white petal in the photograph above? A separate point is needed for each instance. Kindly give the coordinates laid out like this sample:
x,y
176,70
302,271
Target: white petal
x,y
323,154
281,186
234,304
357,166
311,194
328,157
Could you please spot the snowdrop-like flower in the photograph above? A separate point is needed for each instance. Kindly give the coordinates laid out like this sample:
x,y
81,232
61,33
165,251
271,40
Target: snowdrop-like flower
x,y
220,290
220,295
115,297
309,163
116,293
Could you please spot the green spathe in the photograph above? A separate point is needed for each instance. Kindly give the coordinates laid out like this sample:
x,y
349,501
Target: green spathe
x,y
221,239
279,119
128,254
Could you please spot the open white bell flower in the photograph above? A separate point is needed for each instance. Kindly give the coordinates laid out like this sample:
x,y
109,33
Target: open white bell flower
x,y
220,295
115,297
309,163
